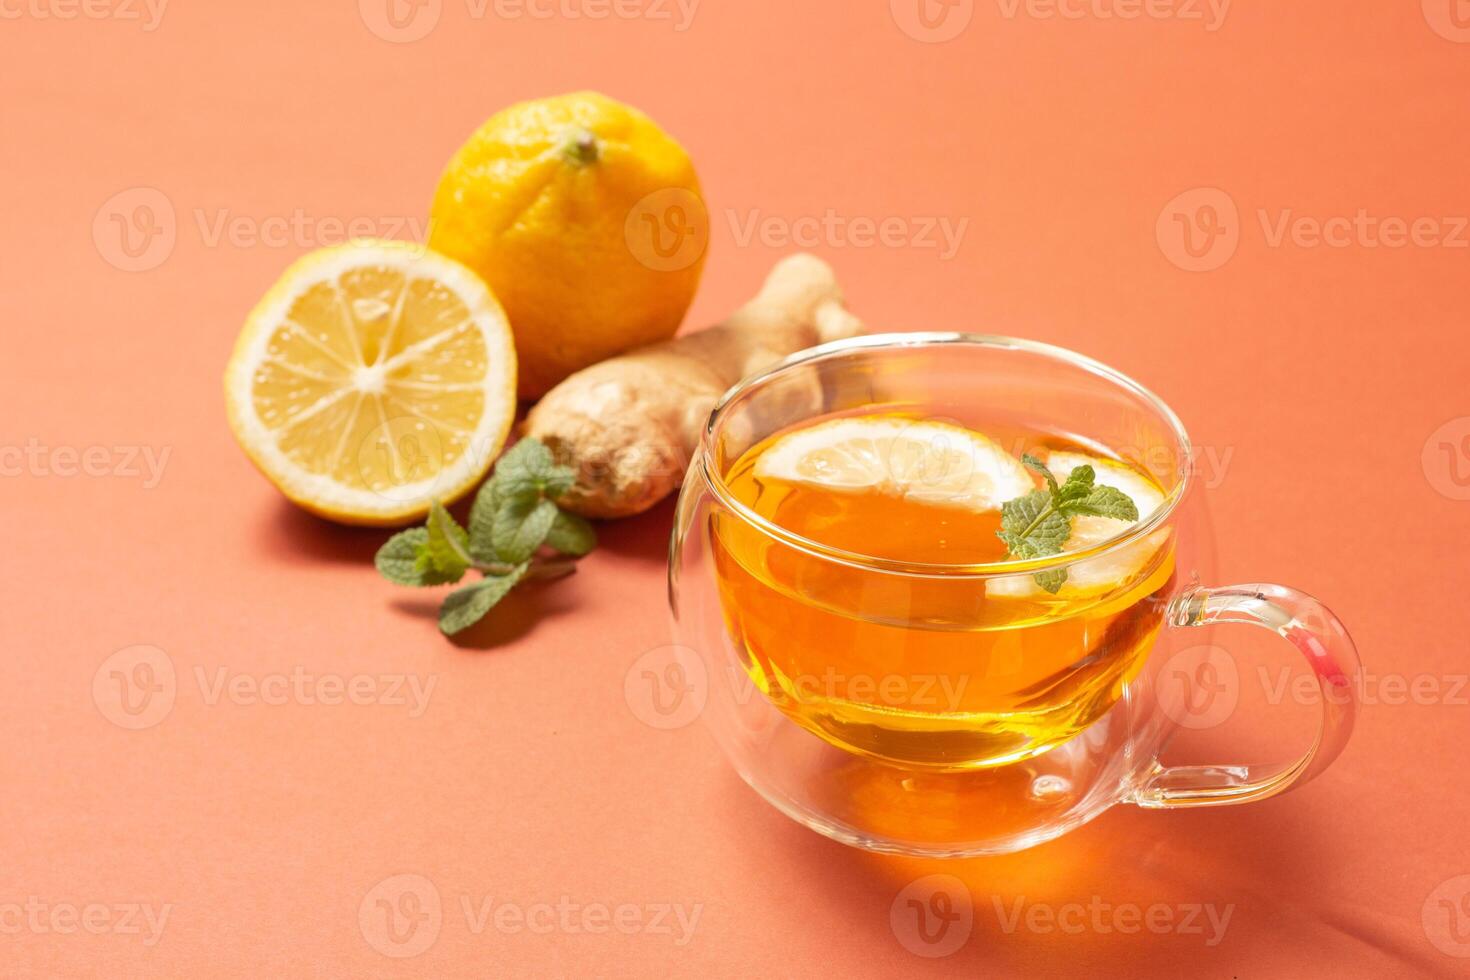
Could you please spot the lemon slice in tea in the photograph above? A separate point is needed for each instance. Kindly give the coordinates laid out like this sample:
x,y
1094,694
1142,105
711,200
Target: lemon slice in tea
x,y
930,462
372,379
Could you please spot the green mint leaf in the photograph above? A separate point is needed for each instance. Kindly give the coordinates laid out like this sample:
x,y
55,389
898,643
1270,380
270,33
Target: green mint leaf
x,y
398,559
1016,515
527,455
1078,486
1039,524
1053,580
1106,502
1083,475
528,470
521,526
521,472
1031,527
445,555
465,607
1040,467
571,534
482,522
558,481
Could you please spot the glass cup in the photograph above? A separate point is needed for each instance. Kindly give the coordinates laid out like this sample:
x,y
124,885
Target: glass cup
x,y
953,710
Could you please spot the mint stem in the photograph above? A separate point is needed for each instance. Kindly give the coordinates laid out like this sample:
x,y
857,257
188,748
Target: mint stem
x,y
492,567
541,568
1050,509
552,569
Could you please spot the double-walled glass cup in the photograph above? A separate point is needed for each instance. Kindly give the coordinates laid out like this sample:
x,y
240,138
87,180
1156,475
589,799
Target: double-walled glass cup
x,y
947,709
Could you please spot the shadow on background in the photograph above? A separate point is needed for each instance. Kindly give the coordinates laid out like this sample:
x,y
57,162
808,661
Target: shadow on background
x,y
288,533
1126,856
515,616
644,537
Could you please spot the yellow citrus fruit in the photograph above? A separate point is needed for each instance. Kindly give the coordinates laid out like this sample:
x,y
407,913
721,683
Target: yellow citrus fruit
x,y
373,378
586,220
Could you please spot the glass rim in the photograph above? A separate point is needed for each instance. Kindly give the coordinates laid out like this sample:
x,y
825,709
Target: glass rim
x,y
878,341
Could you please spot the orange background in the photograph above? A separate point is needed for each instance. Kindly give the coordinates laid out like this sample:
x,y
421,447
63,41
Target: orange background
x,y
1325,371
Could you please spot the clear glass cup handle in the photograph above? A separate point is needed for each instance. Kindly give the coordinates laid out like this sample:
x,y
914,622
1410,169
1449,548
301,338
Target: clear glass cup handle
x,y
1320,637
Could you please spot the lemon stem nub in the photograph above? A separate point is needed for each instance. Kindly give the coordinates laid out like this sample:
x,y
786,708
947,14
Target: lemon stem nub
x,y
582,147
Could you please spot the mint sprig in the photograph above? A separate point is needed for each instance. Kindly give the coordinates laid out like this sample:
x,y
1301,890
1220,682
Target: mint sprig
x,y
1038,524
517,532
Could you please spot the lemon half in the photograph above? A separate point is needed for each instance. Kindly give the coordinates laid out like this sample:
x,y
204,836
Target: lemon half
x,y
373,378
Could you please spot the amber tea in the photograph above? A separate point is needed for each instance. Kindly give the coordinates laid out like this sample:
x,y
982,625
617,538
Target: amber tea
x,y
854,617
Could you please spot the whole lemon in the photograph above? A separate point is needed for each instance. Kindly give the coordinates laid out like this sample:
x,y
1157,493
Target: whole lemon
x,y
586,220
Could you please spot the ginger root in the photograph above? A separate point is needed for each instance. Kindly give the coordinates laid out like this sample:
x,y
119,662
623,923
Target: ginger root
x,y
629,425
